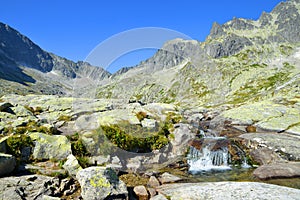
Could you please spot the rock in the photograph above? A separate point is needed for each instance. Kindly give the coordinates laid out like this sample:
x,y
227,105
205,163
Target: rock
x,y
99,160
50,146
151,191
46,197
21,111
141,192
228,191
153,182
159,197
149,123
100,183
278,170
168,178
287,146
5,107
3,144
264,156
72,165
7,164
27,187
182,135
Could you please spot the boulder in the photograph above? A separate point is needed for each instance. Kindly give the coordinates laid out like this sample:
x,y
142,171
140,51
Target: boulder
x,y
287,146
141,192
72,165
278,170
46,197
149,123
5,107
100,183
168,178
228,191
182,135
3,144
50,146
153,182
7,164
264,156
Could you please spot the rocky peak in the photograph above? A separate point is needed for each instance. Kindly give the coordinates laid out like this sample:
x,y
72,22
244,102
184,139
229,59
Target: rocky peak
x,y
216,31
19,48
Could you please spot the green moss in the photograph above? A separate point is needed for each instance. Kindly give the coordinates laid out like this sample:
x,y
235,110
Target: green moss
x,y
16,143
65,118
99,181
131,142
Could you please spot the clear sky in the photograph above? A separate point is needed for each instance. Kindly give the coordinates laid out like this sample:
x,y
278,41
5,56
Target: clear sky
x,y
72,29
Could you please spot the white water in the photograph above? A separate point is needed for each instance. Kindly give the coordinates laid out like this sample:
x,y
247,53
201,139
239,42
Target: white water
x,y
207,160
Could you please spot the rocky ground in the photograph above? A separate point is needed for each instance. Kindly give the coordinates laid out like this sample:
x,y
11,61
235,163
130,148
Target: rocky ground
x,y
52,148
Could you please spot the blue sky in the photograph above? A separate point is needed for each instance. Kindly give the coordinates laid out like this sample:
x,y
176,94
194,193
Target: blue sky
x,y
72,29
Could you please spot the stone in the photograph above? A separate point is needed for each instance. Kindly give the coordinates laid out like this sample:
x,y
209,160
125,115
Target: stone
x,y
46,197
50,146
7,164
151,191
149,123
3,147
27,187
4,106
141,192
153,182
264,156
168,178
228,191
72,165
100,183
277,142
159,197
182,135
278,170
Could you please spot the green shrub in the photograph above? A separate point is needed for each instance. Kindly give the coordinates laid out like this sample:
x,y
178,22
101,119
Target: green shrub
x,y
129,142
16,143
65,118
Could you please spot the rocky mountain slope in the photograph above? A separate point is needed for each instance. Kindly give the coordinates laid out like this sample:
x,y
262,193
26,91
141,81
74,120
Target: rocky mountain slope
x,y
26,68
240,61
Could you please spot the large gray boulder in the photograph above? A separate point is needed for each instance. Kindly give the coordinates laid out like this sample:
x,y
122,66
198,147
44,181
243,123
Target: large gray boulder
x,y
228,191
182,135
7,164
50,146
99,183
278,170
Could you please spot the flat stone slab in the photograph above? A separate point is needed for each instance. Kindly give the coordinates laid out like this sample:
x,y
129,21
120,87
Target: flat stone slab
x,y
228,191
278,170
286,143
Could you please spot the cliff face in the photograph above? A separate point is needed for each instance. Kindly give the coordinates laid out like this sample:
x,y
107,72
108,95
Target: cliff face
x,y
241,60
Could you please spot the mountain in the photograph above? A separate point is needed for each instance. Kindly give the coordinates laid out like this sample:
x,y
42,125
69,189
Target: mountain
x,y
26,68
240,61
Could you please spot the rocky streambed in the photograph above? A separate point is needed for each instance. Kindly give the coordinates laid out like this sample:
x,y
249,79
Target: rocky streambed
x,y
70,148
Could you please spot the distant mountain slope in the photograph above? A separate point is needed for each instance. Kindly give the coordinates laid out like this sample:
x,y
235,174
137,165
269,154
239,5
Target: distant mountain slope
x,y
26,68
241,60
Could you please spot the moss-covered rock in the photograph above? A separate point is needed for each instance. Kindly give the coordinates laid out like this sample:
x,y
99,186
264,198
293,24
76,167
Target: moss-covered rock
x,y
100,183
50,146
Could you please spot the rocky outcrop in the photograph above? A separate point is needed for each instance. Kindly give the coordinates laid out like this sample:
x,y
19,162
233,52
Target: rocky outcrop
x,y
227,190
100,183
16,188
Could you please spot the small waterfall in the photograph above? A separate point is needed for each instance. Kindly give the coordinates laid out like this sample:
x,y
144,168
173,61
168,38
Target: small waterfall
x,y
213,155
